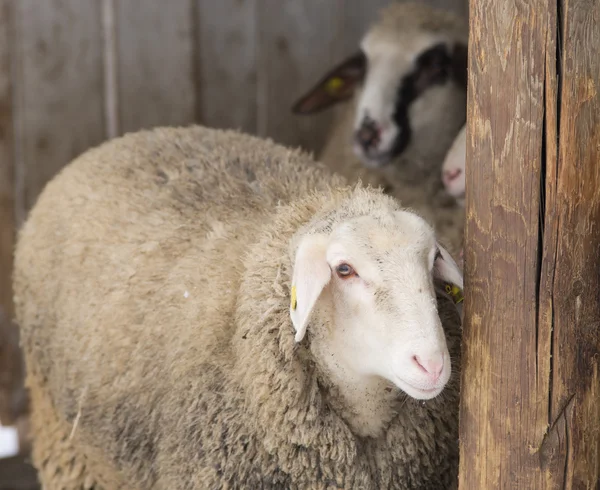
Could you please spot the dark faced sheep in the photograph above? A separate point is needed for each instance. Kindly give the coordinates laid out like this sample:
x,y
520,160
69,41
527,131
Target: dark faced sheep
x,y
406,93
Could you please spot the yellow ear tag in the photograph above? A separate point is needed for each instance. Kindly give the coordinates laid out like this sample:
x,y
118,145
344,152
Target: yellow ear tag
x,y
455,292
334,85
294,302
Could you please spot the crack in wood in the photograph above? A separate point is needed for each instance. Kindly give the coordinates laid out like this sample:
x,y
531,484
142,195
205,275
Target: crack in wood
x,y
541,223
556,438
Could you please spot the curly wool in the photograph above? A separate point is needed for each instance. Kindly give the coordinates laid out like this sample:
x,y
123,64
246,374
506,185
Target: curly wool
x,y
152,289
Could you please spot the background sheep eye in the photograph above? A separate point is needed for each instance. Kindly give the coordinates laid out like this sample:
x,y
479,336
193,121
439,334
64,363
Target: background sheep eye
x,y
345,271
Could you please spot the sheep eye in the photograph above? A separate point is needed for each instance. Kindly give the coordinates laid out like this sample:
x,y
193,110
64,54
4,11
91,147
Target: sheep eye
x,y
438,255
345,271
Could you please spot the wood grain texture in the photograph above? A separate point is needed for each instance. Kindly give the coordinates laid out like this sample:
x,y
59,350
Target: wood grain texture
x,y
58,87
10,365
575,295
155,67
226,63
501,421
531,389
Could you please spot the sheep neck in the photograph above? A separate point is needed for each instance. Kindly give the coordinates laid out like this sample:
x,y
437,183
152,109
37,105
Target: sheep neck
x,y
367,403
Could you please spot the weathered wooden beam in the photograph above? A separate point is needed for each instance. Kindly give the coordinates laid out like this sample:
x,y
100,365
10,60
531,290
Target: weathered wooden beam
x,y
530,411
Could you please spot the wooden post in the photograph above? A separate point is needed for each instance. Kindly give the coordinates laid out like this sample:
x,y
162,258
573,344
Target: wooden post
x,y
530,411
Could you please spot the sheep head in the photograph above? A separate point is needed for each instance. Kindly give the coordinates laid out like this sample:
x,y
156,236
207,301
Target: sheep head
x,y
366,284
409,78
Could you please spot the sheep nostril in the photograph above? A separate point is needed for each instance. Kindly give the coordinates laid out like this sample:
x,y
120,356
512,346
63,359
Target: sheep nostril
x,y
432,367
367,136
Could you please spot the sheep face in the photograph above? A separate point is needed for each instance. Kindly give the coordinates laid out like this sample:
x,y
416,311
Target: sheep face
x,y
410,89
453,168
370,283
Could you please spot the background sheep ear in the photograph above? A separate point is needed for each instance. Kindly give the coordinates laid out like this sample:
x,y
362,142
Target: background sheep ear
x,y
334,87
311,275
446,269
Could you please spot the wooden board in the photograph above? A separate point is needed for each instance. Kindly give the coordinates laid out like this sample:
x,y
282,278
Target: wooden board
x,y
58,87
296,46
357,16
10,368
530,383
460,7
501,419
155,63
226,63
570,453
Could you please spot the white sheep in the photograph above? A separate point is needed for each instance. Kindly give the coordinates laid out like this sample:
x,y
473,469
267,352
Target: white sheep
x,y
205,309
407,85
453,168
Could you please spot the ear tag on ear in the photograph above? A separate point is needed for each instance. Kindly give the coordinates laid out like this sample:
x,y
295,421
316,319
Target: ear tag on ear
x,y
334,85
455,292
294,303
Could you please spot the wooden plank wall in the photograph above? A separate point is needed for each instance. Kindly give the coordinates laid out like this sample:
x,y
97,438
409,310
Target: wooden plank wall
x,y
74,73
10,368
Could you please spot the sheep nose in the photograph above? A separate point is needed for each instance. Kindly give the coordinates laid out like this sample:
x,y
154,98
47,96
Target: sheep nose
x,y
367,136
450,175
432,366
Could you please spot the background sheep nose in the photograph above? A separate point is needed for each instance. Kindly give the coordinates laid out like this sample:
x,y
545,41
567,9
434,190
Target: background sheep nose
x,y
432,366
450,175
368,134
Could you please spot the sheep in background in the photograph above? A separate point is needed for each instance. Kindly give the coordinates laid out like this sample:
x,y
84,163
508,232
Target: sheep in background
x,y
205,309
453,168
453,175
411,70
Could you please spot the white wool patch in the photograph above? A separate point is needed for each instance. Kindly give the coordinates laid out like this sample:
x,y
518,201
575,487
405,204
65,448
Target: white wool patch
x,y
9,442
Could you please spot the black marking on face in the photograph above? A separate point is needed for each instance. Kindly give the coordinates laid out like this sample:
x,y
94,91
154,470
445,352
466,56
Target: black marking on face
x,y
434,66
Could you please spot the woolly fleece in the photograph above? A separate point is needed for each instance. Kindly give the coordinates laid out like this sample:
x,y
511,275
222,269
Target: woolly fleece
x,y
152,289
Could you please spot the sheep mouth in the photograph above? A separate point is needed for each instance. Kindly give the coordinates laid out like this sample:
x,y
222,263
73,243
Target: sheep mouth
x,y
423,393
374,159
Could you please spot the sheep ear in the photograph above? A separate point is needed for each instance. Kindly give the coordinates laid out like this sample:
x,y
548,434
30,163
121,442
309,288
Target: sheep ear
x,y
446,269
334,87
311,275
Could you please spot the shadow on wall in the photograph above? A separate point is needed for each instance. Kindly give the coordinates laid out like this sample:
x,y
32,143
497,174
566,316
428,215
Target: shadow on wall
x,y
16,473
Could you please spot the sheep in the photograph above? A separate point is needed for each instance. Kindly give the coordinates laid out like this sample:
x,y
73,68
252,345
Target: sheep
x,y
206,309
453,175
453,168
406,100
